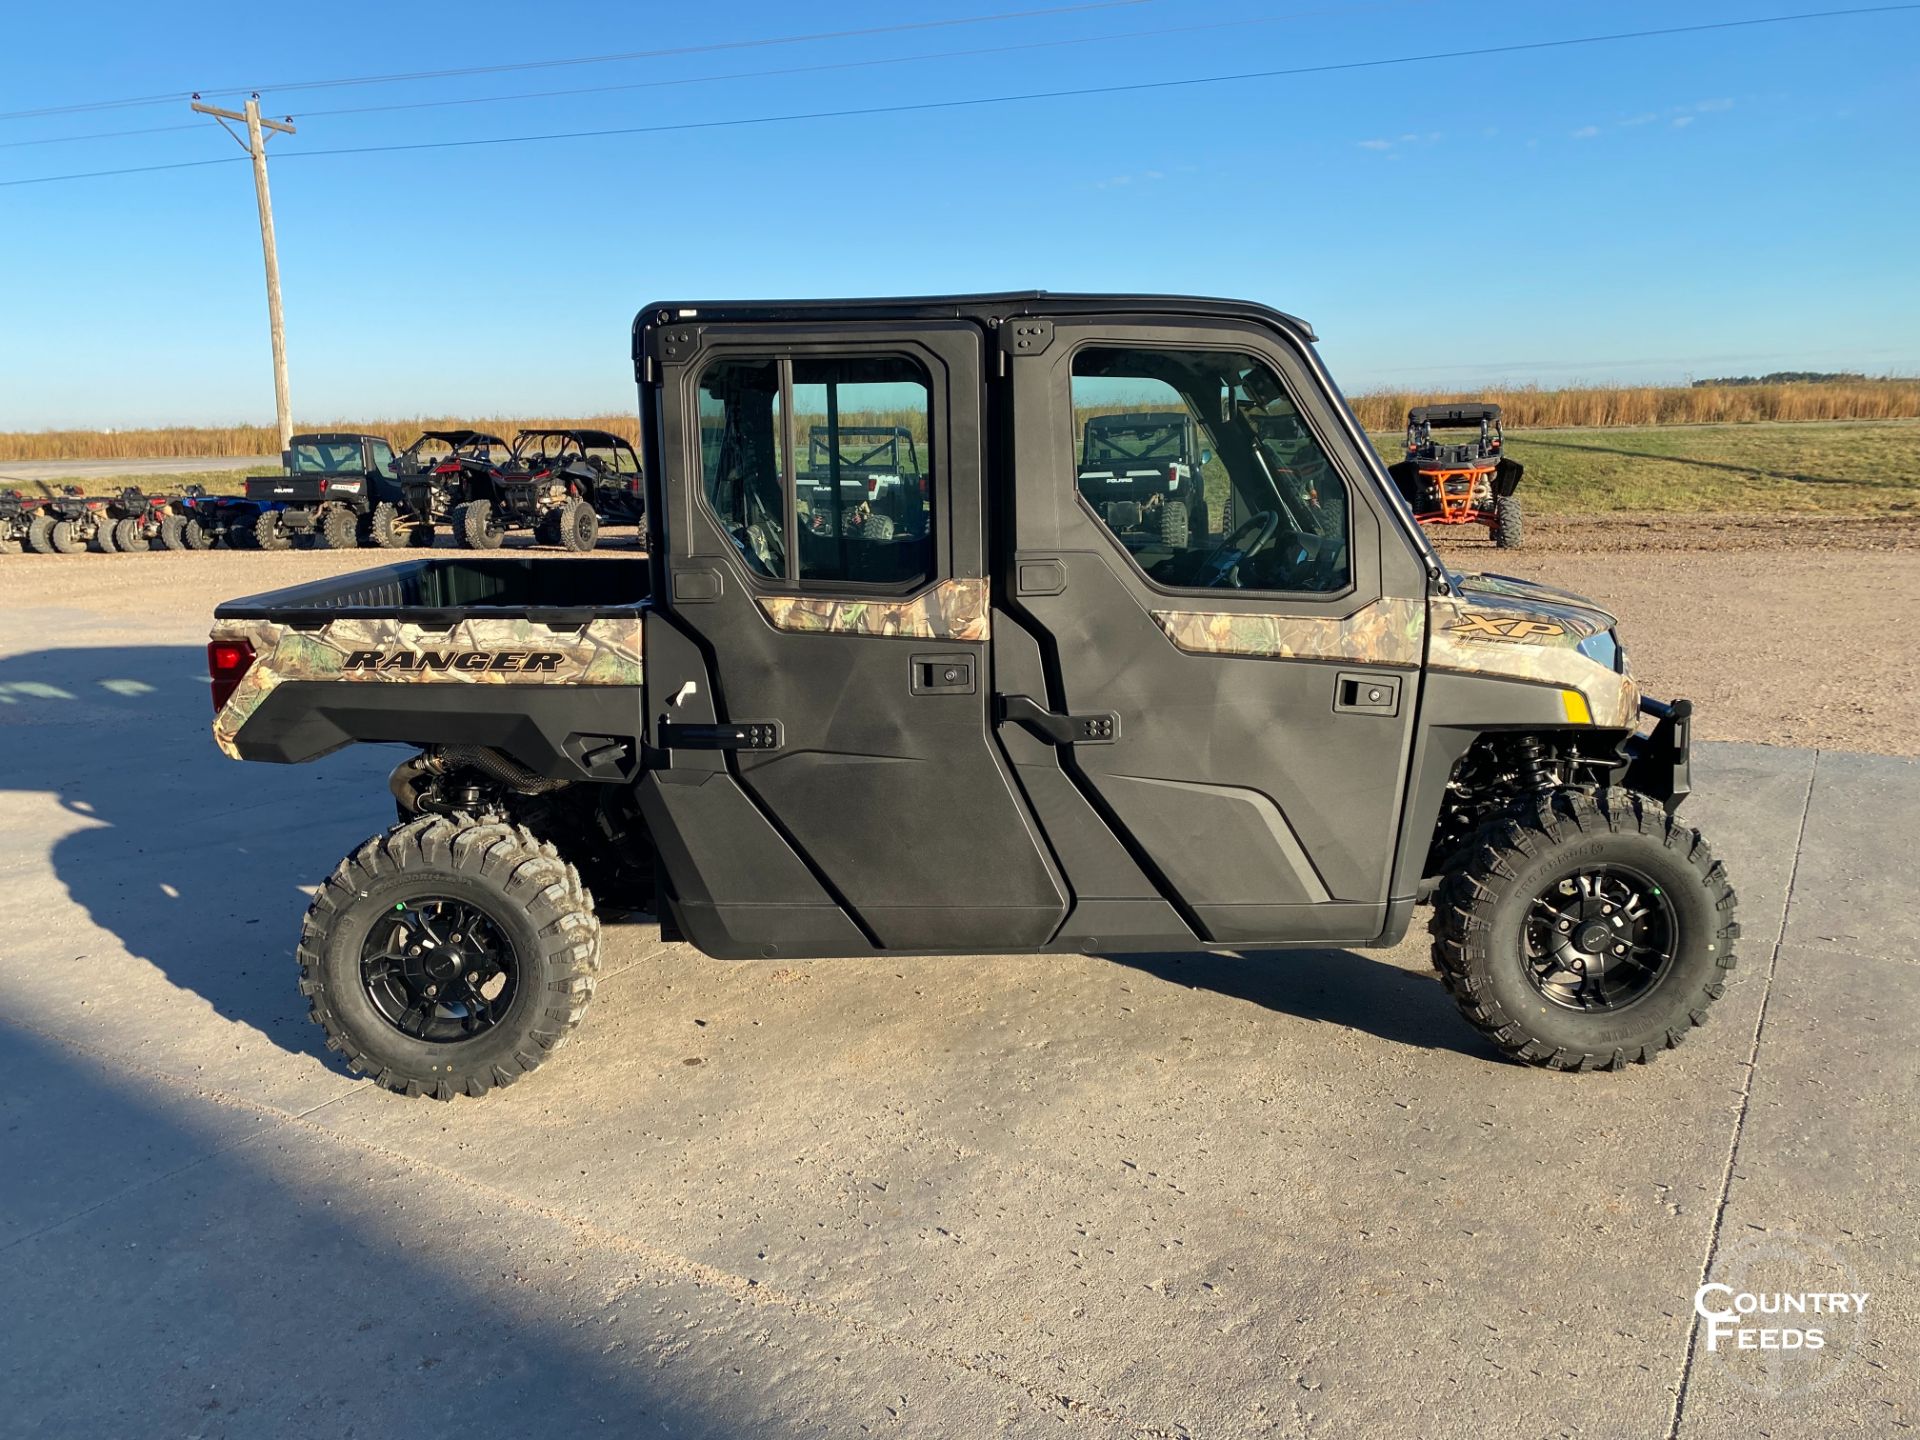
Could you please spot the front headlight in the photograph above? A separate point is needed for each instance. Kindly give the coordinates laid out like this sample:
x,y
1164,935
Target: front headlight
x,y
1604,649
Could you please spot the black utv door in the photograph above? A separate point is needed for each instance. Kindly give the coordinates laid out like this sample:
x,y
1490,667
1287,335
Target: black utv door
x,y
820,665
1241,648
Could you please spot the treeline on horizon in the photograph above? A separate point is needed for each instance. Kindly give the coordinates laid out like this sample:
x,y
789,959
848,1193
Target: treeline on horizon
x,y
1739,400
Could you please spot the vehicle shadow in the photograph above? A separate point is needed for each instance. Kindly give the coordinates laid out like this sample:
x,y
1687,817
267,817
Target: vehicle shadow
x,y
142,1303
1333,987
194,863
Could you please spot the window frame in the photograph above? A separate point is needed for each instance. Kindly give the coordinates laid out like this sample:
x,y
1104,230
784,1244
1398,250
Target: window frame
x,y
937,540
1159,587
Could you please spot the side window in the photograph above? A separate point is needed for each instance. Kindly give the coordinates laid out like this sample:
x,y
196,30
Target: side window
x,y
850,464
1199,464
744,460
862,492
382,457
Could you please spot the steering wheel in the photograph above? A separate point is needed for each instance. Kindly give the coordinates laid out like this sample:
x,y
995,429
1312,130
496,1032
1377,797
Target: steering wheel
x,y
1228,554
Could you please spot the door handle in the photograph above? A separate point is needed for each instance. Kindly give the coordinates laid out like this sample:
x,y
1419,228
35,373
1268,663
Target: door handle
x,y
942,675
1059,729
1366,694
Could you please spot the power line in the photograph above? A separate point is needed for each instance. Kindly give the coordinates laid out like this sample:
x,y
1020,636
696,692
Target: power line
x,y
708,48
975,102
773,72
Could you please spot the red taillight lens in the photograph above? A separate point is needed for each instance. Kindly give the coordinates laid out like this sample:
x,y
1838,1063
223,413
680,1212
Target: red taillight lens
x,y
227,663
873,484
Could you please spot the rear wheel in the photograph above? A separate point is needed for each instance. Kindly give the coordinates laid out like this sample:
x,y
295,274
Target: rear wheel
x,y
1507,528
1590,933
65,538
578,526
102,541
339,529
194,533
383,527
40,535
475,526
449,955
9,544
173,533
1173,524
128,537
270,533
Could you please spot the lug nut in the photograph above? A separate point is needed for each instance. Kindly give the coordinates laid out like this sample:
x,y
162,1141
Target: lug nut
x,y
433,990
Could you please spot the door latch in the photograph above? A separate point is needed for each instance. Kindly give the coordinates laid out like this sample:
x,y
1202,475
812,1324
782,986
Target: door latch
x,y
1366,694
1058,729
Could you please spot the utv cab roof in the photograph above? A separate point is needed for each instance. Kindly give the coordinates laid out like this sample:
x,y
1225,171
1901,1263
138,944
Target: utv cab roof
x,y
1452,414
988,309
603,438
457,438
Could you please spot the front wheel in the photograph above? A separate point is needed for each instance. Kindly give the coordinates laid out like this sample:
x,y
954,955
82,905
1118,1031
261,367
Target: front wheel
x,y
449,955
339,529
474,525
1507,522
1589,933
577,526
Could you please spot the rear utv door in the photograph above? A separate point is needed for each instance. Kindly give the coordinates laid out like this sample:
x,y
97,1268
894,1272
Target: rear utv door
x,y
1250,668
833,784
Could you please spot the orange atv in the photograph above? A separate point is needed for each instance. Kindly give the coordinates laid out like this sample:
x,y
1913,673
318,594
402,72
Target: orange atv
x,y
1460,484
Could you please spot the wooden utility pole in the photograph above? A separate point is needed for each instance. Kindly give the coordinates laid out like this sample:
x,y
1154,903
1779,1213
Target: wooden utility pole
x,y
256,145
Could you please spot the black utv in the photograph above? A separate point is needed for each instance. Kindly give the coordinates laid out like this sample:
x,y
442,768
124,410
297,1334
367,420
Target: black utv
x,y
1013,731
335,490
600,466
1142,473
432,473
531,488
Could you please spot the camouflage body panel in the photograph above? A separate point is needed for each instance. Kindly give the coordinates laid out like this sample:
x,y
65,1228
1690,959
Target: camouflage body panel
x,y
952,610
1387,632
472,652
1493,626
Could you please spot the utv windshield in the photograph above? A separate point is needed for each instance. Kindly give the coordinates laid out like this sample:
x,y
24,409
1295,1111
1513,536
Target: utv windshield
x,y
327,457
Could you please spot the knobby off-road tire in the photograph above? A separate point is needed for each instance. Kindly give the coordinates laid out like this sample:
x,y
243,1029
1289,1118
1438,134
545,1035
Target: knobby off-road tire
x,y
40,535
65,538
535,911
1482,945
577,526
195,534
102,541
1508,529
128,538
173,533
9,545
269,533
383,527
1174,529
473,524
420,535
339,529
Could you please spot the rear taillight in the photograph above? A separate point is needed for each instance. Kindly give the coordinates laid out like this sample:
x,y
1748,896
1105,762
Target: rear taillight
x,y
323,487
227,664
873,484
1173,474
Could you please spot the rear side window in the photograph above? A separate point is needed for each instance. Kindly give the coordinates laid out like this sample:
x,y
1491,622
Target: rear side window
x,y
744,461
819,467
1199,465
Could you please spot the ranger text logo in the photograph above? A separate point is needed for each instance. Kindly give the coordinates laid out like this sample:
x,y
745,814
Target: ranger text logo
x,y
498,662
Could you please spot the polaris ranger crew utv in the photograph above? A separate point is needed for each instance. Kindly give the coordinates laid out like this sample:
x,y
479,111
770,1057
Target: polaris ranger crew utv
x,y
1010,732
334,491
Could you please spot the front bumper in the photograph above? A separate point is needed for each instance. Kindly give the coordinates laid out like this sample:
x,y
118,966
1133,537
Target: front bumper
x,y
1659,764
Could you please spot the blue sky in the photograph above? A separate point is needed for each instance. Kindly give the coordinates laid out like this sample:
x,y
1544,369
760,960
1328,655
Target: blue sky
x,y
1701,204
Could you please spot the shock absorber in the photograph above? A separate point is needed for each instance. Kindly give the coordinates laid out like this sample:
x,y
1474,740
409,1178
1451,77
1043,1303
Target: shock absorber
x,y
1534,772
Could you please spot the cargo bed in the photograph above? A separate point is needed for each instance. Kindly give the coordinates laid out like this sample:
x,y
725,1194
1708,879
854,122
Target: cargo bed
x,y
436,593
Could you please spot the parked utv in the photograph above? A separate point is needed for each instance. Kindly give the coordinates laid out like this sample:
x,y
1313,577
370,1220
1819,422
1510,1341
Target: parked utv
x,y
1141,473
865,479
1012,732
603,468
1449,483
528,490
431,471
334,490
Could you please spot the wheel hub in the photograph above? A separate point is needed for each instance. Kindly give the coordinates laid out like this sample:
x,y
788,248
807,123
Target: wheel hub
x,y
438,969
1599,939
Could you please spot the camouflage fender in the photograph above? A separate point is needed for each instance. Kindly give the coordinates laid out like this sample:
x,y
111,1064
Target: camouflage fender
x,y
473,652
952,610
1532,639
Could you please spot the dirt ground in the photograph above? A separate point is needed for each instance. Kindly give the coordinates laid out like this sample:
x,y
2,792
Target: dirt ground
x,y
1784,633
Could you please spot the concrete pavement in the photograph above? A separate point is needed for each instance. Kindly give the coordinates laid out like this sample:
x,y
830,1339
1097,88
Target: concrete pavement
x,y
1155,1196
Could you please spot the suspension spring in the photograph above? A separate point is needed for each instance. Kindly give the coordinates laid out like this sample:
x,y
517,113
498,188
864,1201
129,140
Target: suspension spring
x,y
1533,764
